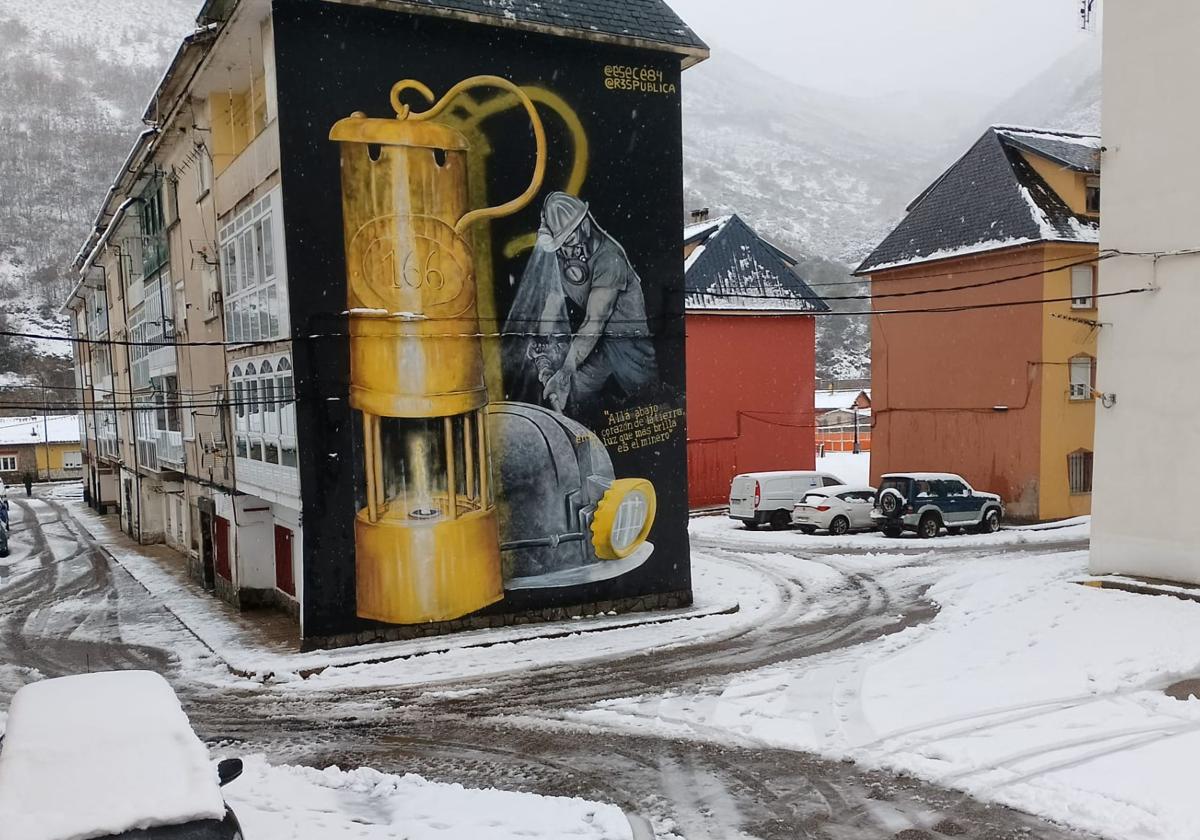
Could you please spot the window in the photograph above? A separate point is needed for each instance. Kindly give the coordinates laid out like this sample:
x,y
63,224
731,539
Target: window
x,y
829,481
8,463
1083,286
1083,375
1079,471
255,301
264,411
72,460
1092,190
955,489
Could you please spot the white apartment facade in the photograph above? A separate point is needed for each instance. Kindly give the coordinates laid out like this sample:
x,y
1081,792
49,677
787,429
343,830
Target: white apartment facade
x,y
185,362
1147,440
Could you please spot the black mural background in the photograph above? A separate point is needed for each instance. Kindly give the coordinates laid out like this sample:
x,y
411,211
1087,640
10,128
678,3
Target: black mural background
x,y
332,60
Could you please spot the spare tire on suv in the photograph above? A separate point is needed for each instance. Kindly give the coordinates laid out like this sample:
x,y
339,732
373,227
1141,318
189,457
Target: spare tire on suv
x,y
891,502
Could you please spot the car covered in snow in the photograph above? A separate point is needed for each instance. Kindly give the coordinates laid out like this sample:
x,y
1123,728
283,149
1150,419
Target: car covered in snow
x,y
109,755
839,510
767,498
927,502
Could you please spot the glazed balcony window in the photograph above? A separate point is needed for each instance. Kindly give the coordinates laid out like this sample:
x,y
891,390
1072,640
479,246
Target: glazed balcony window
x,y
264,411
253,288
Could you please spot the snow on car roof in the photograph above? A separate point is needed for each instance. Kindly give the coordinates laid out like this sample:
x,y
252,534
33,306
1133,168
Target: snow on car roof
x,y
98,754
781,473
923,476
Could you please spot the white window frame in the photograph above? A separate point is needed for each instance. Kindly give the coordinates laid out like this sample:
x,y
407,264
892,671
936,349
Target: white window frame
x,y
72,460
263,411
8,463
253,274
1081,275
1082,373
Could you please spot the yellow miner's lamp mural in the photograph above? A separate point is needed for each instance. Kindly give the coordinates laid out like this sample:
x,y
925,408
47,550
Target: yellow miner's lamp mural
x,y
468,497
427,544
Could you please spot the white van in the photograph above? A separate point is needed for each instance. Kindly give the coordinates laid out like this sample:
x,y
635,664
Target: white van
x,y
768,497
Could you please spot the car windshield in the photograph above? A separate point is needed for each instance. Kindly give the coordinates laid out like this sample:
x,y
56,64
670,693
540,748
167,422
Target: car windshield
x,y
814,499
197,830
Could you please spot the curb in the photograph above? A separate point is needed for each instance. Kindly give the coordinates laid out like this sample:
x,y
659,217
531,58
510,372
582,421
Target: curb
x,y
1143,589
554,631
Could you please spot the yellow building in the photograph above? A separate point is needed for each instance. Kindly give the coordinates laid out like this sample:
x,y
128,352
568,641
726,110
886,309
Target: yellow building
x,y
984,337
42,447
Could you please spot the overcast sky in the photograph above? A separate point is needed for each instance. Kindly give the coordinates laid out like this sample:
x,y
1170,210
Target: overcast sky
x,y
869,47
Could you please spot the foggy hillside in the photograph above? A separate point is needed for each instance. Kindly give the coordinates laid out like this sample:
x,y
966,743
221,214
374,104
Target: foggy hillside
x,y
1066,96
74,79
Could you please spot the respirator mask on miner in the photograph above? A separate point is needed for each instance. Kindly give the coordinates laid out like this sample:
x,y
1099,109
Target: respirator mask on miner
x,y
567,231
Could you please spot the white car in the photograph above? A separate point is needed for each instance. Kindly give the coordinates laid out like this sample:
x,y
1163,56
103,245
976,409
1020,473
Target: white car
x,y
837,510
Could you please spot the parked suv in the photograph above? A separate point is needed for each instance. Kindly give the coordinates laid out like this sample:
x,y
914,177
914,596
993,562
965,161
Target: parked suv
x,y
928,502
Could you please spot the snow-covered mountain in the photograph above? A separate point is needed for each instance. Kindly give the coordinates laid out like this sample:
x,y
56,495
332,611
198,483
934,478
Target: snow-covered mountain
x,y
75,76
805,168
1065,96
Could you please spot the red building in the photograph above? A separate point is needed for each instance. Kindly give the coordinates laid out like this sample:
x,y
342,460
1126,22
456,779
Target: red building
x,y
750,358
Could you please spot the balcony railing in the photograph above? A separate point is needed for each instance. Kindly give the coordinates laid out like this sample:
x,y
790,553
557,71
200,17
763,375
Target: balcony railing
x,y
170,448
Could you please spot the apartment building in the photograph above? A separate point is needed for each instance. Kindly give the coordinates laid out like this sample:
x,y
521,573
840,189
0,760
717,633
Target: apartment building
x,y
216,330
183,301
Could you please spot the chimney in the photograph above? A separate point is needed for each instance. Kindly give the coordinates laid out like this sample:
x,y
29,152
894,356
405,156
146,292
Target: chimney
x,y
700,215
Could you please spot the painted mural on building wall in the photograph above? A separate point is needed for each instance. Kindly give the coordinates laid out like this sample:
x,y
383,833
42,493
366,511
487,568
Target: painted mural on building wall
x,y
498,425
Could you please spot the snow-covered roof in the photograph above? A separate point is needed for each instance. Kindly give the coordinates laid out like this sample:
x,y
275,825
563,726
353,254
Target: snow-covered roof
x,y
845,398
1080,152
99,754
992,198
651,21
732,268
18,431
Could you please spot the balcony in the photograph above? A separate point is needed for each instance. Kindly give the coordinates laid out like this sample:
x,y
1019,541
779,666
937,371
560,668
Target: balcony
x,y
162,361
249,169
170,448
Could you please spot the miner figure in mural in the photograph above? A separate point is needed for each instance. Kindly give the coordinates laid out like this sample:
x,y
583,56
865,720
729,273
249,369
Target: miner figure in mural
x,y
591,344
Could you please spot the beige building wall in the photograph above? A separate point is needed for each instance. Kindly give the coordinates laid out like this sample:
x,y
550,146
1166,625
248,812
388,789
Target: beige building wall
x,y
1148,441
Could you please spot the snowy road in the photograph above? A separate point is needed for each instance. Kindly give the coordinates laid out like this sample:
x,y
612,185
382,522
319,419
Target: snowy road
x,y
64,609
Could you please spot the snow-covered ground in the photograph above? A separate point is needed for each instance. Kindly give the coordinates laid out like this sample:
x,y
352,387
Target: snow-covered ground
x,y
300,803
727,597
1027,689
730,533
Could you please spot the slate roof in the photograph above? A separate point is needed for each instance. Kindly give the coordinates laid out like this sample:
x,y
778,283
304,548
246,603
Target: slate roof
x,y
991,198
733,268
646,20
1080,152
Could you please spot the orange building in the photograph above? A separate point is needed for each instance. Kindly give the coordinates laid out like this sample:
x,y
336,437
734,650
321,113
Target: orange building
x,y
998,385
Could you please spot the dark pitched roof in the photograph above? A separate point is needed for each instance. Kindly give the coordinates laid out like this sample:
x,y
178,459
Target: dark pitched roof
x,y
1080,152
644,20
990,198
732,267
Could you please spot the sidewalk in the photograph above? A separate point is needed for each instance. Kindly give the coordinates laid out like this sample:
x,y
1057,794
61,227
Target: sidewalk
x,y
265,643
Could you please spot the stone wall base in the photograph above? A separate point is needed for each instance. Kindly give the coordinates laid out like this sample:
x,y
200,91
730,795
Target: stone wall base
x,y
644,603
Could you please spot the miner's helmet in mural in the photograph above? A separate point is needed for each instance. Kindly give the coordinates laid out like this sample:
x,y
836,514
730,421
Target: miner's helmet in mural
x,y
465,497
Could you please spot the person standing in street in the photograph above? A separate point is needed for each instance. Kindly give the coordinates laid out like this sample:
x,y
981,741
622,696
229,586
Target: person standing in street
x,y
28,485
